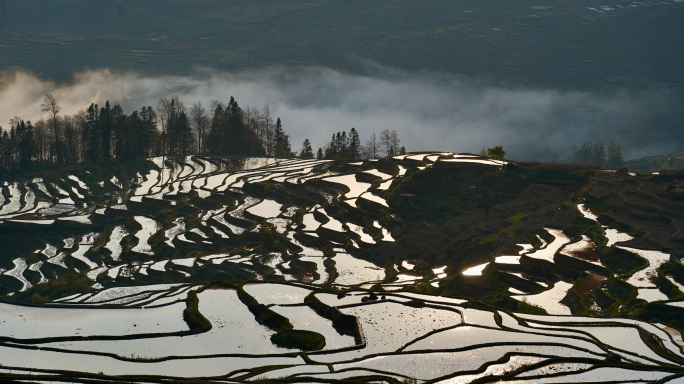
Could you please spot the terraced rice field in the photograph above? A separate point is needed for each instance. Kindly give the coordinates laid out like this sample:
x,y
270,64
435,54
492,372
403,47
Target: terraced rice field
x,y
148,279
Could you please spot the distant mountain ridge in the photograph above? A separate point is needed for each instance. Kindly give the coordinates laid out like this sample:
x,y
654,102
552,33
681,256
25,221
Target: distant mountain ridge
x,y
582,44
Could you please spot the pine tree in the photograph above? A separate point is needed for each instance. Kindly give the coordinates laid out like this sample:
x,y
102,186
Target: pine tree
x,y
216,136
281,141
150,138
307,152
185,140
354,145
106,131
91,134
25,140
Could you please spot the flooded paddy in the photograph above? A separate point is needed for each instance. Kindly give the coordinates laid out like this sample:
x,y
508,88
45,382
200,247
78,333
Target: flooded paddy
x,y
550,299
234,331
277,293
21,322
352,271
194,219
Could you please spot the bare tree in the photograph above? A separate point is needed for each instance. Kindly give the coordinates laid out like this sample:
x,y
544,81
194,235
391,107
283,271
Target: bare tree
x,y
80,121
42,138
394,140
51,107
169,110
370,150
268,130
389,142
215,104
386,142
200,122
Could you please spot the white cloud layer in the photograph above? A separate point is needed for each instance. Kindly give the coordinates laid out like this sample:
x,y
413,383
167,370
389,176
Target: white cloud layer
x,y
429,111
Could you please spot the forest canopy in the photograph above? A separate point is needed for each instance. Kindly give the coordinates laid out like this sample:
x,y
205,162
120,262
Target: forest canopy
x,y
106,133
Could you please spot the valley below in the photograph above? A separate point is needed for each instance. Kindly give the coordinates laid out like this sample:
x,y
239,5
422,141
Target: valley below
x,y
426,267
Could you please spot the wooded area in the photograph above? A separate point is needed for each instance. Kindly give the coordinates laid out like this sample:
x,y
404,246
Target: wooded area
x,y
107,133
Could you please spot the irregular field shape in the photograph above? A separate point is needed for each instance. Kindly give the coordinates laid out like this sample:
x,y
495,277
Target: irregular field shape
x,y
619,322
351,270
149,227
118,292
651,295
386,236
476,270
332,300
645,278
438,299
462,337
30,200
277,293
301,370
599,374
426,366
479,317
356,188
550,299
14,203
514,362
626,338
320,267
375,172
507,260
556,368
173,232
374,198
388,326
58,259
359,230
18,273
79,254
304,318
266,208
36,322
497,163
385,185
85,219
50,250
40,185
309,222
509,322
150,180
114,243
332,224
36,268
349,374
234,331
279,224
580,249
550,250
180,294
614,236
192,367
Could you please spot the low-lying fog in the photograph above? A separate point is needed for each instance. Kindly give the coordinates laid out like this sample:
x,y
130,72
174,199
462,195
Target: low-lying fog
x,y
429,111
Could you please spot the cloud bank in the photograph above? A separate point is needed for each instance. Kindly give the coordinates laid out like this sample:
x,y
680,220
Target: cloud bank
x,y
429,111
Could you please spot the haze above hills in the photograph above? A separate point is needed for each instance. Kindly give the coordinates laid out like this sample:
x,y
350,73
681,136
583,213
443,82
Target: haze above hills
x,y
540,78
